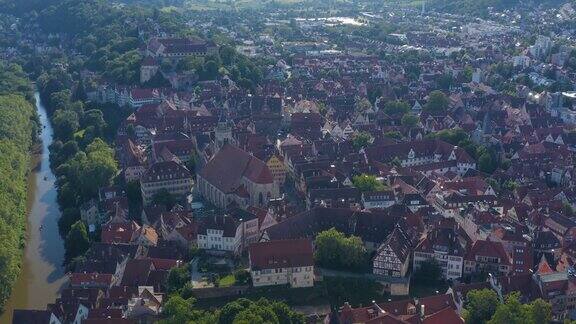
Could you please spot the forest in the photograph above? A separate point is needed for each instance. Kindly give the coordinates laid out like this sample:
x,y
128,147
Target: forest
x,y
18,132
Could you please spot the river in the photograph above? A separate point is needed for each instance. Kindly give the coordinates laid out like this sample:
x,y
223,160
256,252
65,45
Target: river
x,y
42,273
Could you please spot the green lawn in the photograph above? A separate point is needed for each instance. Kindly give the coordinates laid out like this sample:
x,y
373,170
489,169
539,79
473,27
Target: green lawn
x,y
227,281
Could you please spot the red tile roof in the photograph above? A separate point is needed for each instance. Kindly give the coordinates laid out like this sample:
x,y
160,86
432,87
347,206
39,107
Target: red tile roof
x,y
488,249
118,232
281,254
230,165
90,279
445,316
164,264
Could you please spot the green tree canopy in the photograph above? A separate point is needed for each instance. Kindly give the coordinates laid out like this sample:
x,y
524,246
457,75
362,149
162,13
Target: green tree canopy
x,y
335,250
361,140
18,131
512,311
410,121
362,104
437,104
480,305
77,242
366,182
164,198
396,107
65,123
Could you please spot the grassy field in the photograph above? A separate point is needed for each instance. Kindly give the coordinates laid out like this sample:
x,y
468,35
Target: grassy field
x,y
227,281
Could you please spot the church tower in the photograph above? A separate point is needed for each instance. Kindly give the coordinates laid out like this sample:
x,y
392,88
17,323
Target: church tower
x,y
223,132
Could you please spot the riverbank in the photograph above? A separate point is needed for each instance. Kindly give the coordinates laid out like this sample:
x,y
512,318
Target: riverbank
x,y
42,274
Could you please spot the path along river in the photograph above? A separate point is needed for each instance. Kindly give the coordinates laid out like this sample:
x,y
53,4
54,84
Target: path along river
x,y
42,273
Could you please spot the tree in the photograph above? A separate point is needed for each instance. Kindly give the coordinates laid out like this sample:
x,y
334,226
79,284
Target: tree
x,y
453,136
510,185
242,276
540,312
164,198
396,107
366,182
94,118
77,242
437,104
229,311
393,135
445,81
65,124
486,163
261,311
513,311
177,278
335,250
356,291
134,196
374,94
100,167
362,104
480,305
189,63
157,81
429,273
510,312
68,218
179,310
486,159
191,163
227,55
18,129
209,70
361,140
256,314
410,121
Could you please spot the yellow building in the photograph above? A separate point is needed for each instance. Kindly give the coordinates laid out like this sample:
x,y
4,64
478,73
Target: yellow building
x,y
278,169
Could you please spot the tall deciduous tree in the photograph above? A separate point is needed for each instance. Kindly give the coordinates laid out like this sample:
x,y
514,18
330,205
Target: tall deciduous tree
x,y
396,107
410,120
437,104
77,242
512,311
335,250
361,140
480,305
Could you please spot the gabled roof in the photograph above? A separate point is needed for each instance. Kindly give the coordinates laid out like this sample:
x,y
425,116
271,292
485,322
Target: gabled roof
x,y
445,316
225,223
281,254
167,170
400,244
370,226
543,266
90,279
227,168
488,249
137,272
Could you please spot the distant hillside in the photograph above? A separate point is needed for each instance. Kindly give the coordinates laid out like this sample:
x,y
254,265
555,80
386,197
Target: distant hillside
x,y
481,6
